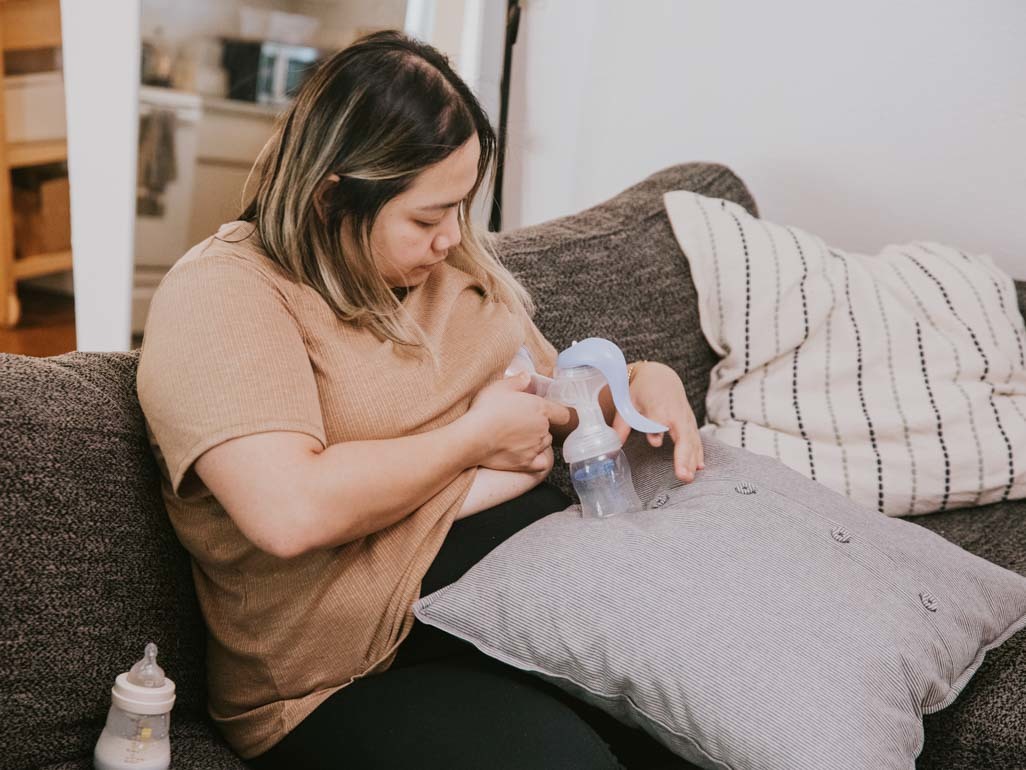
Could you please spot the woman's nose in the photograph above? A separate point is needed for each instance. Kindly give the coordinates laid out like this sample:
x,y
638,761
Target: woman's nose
x,y
449,236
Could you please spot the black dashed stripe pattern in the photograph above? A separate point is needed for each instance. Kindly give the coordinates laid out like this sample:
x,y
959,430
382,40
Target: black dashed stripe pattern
x,y
1008,446
1018,411
716,270
897,398
985,312
776,332
951,308
1015,323
972,287
983,377
959,386
748,321
937,414
795,356
828,385
859,375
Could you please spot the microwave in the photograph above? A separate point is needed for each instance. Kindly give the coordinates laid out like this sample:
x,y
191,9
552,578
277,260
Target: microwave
x,y
265,71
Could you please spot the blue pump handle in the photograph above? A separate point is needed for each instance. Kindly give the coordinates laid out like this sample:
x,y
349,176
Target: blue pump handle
x,y
605,356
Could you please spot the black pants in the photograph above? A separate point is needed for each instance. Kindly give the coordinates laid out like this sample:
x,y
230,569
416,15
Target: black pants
x,y
444,705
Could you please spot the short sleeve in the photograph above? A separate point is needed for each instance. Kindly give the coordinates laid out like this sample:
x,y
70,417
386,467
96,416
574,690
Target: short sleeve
x,y
222,357
542,351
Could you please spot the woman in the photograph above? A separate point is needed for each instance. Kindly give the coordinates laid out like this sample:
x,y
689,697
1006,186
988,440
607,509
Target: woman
x,y
322,383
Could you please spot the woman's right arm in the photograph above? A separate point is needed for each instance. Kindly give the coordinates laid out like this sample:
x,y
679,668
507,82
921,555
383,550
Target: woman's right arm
x,y
288,495
492,487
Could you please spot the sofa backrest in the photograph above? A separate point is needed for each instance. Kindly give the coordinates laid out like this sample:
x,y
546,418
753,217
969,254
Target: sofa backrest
x,y
92,568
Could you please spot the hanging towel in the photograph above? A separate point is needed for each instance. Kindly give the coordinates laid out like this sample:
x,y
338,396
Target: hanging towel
x,y
157,165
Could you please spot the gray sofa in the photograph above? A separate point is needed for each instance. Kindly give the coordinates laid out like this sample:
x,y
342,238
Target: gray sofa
x,y
92,569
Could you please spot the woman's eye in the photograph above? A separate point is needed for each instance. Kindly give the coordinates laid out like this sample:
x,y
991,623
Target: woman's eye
x,y
426,224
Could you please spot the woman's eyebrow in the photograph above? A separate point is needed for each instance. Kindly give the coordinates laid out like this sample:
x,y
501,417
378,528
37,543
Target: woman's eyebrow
x,y
439,206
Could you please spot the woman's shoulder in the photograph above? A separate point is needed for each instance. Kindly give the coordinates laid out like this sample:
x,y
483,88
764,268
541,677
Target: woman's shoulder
x,y
233,250
224,287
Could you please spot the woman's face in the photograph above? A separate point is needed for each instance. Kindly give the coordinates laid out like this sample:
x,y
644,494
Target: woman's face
x,y
415,230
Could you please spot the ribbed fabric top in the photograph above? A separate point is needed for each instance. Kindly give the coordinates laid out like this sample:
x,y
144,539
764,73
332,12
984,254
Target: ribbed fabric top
x,y
233,347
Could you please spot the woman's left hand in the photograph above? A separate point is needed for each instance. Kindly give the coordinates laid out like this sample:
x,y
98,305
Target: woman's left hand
x,y
658,393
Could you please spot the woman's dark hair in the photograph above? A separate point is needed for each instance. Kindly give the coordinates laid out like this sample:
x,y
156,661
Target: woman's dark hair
x,y
373,116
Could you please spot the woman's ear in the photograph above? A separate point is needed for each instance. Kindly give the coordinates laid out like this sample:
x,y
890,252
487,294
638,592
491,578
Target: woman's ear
x,y
322,190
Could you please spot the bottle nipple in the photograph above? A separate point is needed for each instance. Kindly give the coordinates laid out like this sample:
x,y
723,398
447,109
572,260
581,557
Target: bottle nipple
x,y
146,672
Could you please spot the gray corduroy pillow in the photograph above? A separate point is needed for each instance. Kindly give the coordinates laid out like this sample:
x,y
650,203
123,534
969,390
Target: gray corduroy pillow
x,y
751,619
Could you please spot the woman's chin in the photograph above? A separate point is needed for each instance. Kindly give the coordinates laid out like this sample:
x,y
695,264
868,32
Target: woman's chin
x,y
415,277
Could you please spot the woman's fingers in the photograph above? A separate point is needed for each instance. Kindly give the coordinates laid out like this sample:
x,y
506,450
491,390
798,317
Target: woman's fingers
x,y
557,414
687,452
659,394
544,461
621,427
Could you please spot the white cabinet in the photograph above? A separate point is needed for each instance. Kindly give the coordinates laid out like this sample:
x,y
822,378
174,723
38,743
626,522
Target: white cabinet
x,y
216,198
216,143
161,239
231,135
34,107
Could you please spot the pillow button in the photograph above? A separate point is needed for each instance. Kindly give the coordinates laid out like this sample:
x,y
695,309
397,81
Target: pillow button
x,y
745,488
660,500
929,601
840,534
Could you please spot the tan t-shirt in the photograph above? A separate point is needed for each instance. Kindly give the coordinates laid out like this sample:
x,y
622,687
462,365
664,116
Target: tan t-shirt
x,y
232,347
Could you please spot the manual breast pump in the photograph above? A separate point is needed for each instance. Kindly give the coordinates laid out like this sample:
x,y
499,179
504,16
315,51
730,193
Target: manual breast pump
x,y
599,469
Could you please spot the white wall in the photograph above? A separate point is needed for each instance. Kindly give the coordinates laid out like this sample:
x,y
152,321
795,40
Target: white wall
x,y
471,34
102,132
866,123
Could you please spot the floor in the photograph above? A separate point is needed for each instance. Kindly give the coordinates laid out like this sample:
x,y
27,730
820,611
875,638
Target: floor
x,y
47,325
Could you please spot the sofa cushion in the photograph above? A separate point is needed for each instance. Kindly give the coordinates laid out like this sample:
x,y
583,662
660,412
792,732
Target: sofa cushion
x,y
750,619
986,726
92,568
194,746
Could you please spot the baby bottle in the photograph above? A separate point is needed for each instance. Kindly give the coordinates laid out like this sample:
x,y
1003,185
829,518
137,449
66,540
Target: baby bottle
x,y
136,734
599,469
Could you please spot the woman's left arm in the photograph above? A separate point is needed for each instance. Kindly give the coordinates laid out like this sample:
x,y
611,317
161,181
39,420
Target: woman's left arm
x,y
658,393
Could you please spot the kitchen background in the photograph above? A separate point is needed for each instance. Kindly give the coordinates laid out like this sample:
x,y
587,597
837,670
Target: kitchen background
x,y
866,123
213,78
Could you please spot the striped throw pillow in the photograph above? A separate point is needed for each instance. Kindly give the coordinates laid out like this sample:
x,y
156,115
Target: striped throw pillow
x,y
898,380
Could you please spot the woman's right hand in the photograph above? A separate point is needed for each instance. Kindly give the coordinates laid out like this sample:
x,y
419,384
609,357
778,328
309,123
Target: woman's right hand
x,y
513,426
